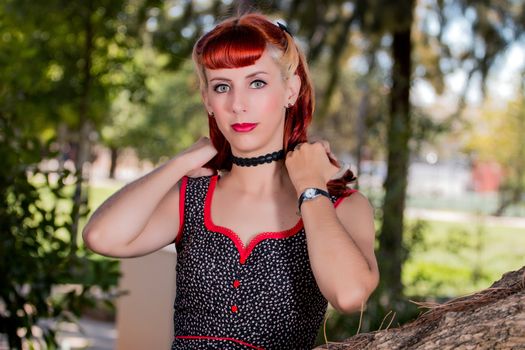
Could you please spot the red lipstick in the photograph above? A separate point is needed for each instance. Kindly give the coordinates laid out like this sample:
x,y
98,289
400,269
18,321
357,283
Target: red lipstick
x,y
244,127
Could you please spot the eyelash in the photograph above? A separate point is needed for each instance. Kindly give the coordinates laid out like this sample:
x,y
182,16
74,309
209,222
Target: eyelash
x,y
216,87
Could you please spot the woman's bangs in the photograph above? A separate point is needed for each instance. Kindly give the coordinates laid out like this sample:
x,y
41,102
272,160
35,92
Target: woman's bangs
x,y
235,47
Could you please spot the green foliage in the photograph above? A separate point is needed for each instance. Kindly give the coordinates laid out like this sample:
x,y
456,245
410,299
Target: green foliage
x,y
170,121
40,275
461,258
176,26
59,59
357,97
62,64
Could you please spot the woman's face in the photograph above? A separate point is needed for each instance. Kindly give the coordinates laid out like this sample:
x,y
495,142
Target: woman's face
x,y
249,103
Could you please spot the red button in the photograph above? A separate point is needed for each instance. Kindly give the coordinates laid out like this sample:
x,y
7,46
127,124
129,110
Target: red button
x,y
236,284
235,308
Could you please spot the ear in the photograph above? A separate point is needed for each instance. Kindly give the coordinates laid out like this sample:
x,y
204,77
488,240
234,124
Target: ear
x,y
293,87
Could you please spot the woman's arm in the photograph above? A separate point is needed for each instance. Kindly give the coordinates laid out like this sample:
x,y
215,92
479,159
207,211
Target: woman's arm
x,y
341,249
340,241
144,215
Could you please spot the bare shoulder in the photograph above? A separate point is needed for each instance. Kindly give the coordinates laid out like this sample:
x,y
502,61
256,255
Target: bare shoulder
x,y
357,216
356,203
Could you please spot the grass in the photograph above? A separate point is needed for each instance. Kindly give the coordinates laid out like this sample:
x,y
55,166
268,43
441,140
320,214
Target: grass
x,y
460,258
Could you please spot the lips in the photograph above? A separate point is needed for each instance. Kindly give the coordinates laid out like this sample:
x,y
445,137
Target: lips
x,y
244,127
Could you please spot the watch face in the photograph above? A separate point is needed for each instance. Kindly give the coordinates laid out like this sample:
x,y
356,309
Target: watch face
x,y
310,193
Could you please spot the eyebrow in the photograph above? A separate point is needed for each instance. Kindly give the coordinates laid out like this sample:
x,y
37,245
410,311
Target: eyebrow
x,y
247,77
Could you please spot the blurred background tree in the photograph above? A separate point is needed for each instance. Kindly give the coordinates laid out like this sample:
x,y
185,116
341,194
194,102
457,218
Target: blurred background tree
x,y
60,63
71,58
42,275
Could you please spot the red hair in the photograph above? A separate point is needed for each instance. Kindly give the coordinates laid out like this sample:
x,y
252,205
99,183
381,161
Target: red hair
x,y
239,42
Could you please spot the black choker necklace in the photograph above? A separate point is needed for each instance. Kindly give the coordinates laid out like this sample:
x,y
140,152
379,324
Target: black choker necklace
x,y
267,158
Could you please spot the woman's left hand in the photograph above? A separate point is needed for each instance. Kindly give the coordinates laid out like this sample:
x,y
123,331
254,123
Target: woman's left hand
x,y
308,165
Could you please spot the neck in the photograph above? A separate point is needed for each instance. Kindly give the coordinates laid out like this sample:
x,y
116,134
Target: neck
x,y
259,180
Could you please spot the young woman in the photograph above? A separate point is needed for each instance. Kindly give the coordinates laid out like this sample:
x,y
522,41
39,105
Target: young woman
x,y
251,273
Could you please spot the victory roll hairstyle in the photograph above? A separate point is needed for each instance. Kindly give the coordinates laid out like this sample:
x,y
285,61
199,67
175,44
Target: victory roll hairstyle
x,y
239,42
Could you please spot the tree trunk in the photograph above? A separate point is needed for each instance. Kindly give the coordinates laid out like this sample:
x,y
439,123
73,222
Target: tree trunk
x,y
491,319
80,197
335,67
507,199
64,145
113,163
362,113
391,252
363,110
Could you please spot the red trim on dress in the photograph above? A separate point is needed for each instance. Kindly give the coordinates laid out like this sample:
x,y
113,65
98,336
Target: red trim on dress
x,y
347,193
243,251
182,197
219,338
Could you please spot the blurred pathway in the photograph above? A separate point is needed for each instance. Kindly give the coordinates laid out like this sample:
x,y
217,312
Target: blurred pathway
x,y
88,334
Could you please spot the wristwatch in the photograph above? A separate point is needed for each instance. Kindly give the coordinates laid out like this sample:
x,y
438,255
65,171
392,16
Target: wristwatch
x,y
309,194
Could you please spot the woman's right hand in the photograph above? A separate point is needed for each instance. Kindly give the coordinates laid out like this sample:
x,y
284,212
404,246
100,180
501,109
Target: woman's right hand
x,y
139,218
196,156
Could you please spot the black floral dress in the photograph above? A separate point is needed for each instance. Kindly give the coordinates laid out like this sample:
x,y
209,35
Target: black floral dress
x,y
263,296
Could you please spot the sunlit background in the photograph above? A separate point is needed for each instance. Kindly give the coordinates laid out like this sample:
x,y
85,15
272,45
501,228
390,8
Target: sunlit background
x,y
425,100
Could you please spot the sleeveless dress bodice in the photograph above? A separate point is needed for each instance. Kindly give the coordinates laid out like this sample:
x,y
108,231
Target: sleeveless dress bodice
x,y
231,296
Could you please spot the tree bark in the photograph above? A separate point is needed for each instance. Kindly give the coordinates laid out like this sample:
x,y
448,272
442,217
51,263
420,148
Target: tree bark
x,y
80,197
362,113
491,319
113,164
391,252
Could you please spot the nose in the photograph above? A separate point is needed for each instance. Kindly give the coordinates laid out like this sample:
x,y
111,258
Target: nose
x,y
238,101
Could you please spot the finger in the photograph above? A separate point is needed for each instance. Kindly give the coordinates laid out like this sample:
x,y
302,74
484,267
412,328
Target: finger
x,y
326,145
328,150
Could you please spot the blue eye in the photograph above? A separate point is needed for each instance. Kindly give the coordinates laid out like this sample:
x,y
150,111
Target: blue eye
x,y
257,84
220,88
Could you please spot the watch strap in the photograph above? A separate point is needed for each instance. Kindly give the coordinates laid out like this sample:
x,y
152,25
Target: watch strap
x,y
305,196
